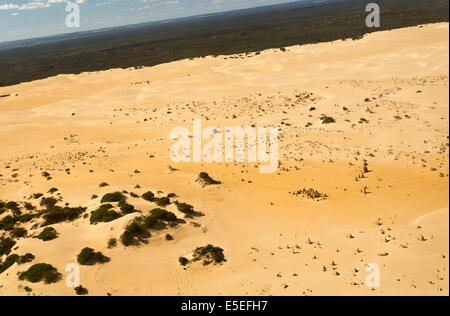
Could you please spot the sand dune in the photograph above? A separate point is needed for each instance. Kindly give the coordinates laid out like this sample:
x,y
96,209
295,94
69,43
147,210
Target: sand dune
x,y
388,95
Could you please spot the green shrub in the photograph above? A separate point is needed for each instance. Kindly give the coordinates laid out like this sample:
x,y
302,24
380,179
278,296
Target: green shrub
x,y
6,245
7,222
148,196
48,202
49,233
18,232
162,202
183,261
79,290
104,214
127,208
12,205
113,197
61,214
41,272
209,254
327,119
132,233
88,257
9,261
52,190
29,207
185,208
112,243
25,258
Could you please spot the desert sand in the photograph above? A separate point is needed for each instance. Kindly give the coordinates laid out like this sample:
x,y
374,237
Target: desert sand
x,y
388,94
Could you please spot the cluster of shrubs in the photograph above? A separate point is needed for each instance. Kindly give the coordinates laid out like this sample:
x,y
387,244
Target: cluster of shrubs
x,y
157,216
137,231
89,257
57,214
6,245
47,234
11,259
80,290
41,272
113,197
209,254
104,214
185,208
134,233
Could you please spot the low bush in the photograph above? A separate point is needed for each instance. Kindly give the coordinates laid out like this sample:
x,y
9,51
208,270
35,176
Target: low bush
x,y
127,208
18,232
61,214
48,202
9,261
148,196
113,197
184,208
79,290
209,254
7,223
41,272
6,245
89,257
104,214
183,261
327,119
206,179
133,233
162,202
49,233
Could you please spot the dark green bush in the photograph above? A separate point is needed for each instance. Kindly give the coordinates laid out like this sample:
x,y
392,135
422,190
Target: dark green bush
x,y
12,205
52,190
7,222
183,261
148,196
18,232
9,261
88,257
127,208
79,290
61,214
48,202
49,233
41,272
162,202
133,233
6,245
185,208
104,214
209,254
112,243
113,197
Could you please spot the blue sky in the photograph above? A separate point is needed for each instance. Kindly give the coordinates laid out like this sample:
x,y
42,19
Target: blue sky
x,y
21,19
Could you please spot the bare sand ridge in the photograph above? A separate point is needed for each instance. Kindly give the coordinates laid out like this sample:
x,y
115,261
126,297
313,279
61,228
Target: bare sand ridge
x,y
388,95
